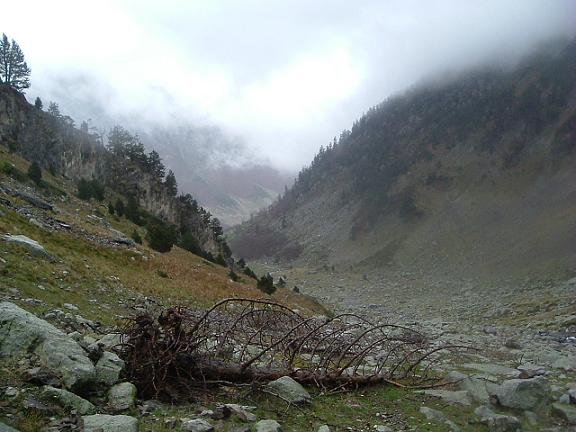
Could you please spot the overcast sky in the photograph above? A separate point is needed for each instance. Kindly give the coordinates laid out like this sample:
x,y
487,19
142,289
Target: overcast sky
x,y
284,75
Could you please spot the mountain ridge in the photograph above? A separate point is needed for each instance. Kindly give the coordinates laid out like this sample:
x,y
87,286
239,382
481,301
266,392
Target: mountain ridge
x,y
452,178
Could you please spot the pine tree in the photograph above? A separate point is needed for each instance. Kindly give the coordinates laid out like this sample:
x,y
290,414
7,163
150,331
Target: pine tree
x,y
35,173
54,110
13,68
171,184
155,165
38,103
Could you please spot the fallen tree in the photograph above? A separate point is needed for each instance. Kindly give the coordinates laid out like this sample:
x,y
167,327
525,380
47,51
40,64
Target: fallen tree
x,y
247,341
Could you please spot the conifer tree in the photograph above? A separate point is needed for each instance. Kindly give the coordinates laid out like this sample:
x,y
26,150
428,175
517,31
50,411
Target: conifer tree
x,y
171,183
13,68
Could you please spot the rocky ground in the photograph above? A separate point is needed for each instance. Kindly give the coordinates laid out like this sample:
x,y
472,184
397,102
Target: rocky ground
x,y
521,371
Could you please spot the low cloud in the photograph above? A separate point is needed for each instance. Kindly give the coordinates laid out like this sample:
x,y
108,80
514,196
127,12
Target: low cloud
x,y
285,76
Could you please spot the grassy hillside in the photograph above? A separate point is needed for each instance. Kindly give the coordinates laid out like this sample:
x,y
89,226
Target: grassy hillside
x,y
105,281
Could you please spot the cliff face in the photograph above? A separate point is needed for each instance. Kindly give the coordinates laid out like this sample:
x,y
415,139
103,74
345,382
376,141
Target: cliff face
x,y
476,175
64,150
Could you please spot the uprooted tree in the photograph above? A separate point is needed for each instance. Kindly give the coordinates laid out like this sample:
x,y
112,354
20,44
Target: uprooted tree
x,y
249,341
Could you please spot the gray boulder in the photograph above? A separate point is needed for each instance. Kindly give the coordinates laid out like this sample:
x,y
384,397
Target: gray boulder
x,y
67,400
241,412
524,394
289,390
440,417
108,368
567,412
22,332
497,422
268,426
460,397
6,428
122,396
479,389
109,423
197,425
31,245
324,428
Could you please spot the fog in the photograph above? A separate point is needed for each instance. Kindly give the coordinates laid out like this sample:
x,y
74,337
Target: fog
x,y
282,77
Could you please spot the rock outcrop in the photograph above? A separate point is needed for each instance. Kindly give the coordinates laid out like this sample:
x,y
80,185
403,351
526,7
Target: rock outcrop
x,y
22,332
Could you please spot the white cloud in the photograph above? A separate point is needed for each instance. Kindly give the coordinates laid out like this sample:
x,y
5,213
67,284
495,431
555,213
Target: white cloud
x,y
286,75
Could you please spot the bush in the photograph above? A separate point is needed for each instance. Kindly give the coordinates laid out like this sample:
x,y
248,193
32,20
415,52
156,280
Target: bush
x,y
88,189
221,261
266,284
119,207
233,276
7,168
136,237
190,243
35,173
161,236
248,272
132,211
110,208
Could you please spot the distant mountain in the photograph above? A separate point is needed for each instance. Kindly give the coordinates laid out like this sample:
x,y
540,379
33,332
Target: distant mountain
x,y
473,175
200,155
218,170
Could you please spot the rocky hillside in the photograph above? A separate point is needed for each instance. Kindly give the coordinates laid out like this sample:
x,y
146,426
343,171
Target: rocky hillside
x,y
58,146
471,175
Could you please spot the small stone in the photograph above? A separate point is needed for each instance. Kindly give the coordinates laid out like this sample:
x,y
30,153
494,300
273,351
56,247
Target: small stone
x,y
289,390
459,397
171,423
512,344
67,400
530,371
41,376
197,425
498,422
5,428
241,412
122,396
268,426
567,412
70,306
324,428
437,416
381,428
11,392
110,423
108,368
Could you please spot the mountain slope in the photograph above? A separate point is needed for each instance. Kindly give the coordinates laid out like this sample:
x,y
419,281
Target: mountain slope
x,y
471,176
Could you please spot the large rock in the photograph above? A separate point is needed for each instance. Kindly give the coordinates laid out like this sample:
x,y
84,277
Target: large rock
x,y
289,390
108,368
268,426
122,396
110,423
460,397
567,412
479,389
440,417
498,422
22,332
6,428
241,412
197,425
524,394
106,342
67,400
31,245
